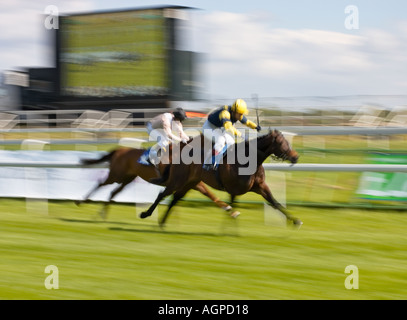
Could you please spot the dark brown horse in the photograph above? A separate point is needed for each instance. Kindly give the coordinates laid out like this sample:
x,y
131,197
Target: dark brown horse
x,y
180,178
124,168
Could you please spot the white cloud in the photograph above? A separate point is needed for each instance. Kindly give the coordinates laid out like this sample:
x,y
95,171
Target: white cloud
x,y
246,52
239,38
243,48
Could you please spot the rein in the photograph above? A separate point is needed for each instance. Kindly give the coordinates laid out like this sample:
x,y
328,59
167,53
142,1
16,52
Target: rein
x,y
269,147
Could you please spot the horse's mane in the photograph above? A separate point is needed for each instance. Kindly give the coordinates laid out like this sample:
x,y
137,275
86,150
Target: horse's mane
x,y
273,132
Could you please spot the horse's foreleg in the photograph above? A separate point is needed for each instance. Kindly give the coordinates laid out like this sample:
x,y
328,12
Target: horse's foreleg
x,y
103,212
101,184
264,191
205,191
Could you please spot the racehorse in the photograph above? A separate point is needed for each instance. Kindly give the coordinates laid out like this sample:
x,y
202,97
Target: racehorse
x,y
180,178
124,168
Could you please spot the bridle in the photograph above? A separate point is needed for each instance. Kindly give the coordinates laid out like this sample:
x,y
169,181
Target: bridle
x,y
284,153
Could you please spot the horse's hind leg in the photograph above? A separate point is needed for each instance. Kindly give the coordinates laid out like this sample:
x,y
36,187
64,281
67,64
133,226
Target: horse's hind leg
x,y
177,196
264,190
103,212
167,191
233,212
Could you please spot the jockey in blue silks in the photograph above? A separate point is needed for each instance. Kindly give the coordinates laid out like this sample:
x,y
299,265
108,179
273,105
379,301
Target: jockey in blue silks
x,y
219,127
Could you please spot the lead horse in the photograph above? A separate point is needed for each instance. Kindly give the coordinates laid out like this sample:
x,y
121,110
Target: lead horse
x,y
180,178
124,168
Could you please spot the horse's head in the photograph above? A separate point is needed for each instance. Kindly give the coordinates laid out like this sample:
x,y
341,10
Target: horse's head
x,y
280,147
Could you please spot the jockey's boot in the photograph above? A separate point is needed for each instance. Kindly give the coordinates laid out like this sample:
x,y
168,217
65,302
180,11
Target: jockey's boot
x,y
144,159
154,156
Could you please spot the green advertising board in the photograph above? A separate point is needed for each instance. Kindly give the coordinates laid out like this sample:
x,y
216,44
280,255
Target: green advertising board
x,y
384,186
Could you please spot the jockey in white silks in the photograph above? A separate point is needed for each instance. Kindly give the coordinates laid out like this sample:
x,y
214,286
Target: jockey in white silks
x,y
164,128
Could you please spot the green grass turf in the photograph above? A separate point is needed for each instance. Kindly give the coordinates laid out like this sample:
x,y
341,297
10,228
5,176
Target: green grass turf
x,y
201,254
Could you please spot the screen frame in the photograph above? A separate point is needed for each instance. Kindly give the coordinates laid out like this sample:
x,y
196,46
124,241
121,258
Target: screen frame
x,y
170,33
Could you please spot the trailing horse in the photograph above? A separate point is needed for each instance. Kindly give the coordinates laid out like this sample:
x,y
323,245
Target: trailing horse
x,y
231,176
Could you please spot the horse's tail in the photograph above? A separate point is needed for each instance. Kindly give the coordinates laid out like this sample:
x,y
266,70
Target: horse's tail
x,y
106,157
163,178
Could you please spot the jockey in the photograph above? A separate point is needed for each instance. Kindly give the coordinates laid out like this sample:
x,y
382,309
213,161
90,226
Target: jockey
x,y
161,128
219,127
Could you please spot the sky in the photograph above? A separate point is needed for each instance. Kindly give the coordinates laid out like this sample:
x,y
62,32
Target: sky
x,y
286,48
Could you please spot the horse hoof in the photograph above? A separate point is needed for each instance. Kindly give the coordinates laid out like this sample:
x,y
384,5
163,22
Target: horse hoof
x,y
227,208
235,214
297,223
144,215
103,215
78,202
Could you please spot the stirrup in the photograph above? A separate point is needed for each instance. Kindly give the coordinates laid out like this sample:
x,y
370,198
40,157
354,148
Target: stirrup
x,y
210,166
152,162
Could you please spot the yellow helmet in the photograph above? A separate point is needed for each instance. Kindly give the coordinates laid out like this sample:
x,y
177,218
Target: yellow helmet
x,y
240,106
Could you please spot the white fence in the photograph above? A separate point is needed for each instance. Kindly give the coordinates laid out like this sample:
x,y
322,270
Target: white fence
x,y
59,175
29,174
299,130
314,167
367,116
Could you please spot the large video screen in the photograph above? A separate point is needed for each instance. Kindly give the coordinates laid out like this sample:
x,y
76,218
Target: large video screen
x,y
114,54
